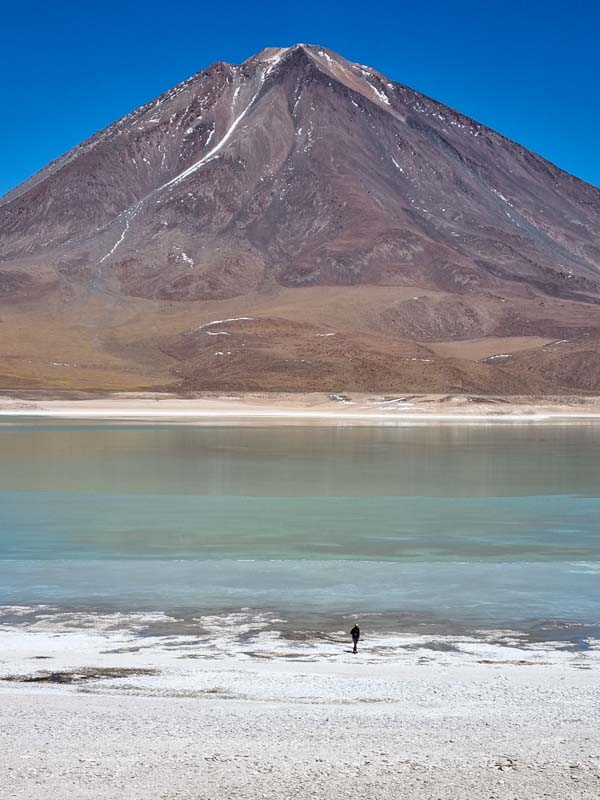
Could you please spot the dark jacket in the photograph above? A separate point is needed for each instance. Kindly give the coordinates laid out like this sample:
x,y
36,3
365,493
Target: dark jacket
x,y
355,632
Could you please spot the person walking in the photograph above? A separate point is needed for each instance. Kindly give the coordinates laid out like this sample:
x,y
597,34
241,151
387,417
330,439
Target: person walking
x,y
355,634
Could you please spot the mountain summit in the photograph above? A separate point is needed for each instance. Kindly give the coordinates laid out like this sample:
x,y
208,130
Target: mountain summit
x,y
328,201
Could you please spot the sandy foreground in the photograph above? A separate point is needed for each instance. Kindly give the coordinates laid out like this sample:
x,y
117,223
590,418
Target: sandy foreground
x,y
505,733
289,409
482,720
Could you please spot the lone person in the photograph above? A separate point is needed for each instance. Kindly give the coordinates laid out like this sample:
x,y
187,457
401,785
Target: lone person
x,y
355,634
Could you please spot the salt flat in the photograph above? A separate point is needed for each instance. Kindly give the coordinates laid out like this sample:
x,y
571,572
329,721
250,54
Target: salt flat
x,y
273,408
496,717
416,732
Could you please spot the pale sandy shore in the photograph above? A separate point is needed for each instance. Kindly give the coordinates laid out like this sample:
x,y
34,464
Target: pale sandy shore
x,y
479,733
481,721
273,409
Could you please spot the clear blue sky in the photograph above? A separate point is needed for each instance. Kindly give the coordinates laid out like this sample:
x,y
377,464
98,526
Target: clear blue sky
x,y
529,69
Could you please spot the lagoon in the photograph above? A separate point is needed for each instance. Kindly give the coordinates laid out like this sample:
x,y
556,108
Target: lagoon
x,y
459,524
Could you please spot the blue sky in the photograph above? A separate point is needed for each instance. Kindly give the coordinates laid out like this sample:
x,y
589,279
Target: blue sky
x,y
529,69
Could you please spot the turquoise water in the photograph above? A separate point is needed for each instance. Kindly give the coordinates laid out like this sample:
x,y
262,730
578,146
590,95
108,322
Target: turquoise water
x,y
489,524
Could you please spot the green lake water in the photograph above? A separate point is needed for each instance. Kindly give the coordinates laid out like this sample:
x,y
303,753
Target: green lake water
x,y
489,524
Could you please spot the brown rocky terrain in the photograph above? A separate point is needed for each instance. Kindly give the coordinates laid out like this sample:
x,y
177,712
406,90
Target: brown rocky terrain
x,y
300,223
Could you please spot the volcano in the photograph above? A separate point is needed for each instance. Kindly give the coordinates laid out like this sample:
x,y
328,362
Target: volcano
x,y
299,222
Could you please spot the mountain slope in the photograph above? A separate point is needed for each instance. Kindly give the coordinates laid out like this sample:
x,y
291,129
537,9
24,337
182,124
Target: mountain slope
x,y
270,185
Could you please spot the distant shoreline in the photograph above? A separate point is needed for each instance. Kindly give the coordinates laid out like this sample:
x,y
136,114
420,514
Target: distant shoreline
x,y
312,408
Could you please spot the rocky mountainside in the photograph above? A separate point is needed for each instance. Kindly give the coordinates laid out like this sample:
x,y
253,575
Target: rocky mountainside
x,y
362,235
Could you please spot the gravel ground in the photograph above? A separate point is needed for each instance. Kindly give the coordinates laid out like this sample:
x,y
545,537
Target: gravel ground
x,y
503,732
